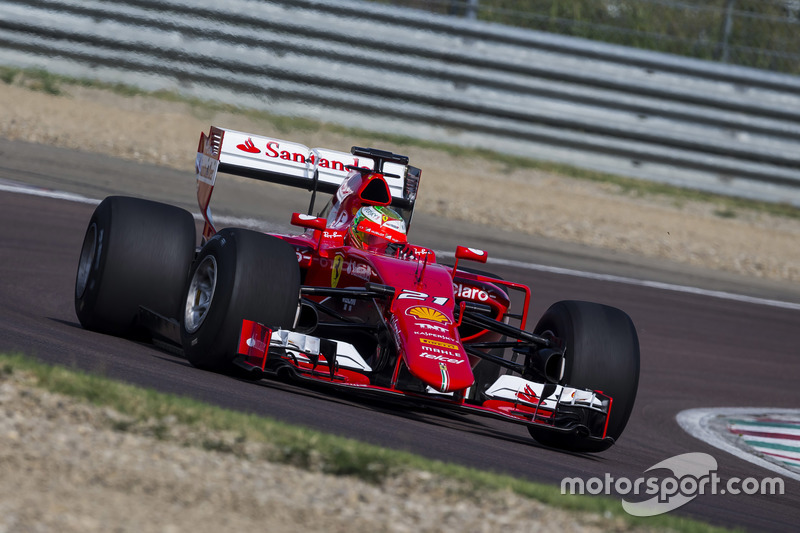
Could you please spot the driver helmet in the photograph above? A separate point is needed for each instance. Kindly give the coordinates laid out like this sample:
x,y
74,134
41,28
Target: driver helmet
x,y
375,227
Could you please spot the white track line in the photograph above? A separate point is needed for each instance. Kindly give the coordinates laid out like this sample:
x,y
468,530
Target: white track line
x,y
504,262
696,423
640,283
46,193
70,197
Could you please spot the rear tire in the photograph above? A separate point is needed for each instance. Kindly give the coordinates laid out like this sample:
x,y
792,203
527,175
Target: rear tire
x,y
239,274
602,353
135,253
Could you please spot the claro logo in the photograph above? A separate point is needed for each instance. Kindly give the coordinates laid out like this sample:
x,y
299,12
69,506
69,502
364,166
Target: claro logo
x,y
471,293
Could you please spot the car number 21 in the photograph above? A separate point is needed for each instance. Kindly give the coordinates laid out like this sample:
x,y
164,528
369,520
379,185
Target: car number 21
x,y
422,297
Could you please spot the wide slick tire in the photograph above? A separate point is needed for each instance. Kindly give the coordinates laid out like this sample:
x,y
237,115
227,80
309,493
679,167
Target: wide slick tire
x,y
602,353
239,274
135,253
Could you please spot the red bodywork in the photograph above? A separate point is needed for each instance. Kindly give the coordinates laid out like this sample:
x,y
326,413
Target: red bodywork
x,y
420,317
423,302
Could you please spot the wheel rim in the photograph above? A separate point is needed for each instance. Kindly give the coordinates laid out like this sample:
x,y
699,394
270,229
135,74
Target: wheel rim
x,y
200,294
85,262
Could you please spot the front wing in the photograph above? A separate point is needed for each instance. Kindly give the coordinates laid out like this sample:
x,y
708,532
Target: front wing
x,y
580,412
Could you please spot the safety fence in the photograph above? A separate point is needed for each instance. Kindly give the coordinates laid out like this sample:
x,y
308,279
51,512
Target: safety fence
x,y
688,122
753,33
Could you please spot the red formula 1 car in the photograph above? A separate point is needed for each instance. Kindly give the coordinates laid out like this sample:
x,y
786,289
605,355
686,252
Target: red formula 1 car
x,y
349,302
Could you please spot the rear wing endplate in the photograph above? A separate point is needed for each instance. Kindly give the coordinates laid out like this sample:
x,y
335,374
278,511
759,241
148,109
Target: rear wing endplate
x,y
289,163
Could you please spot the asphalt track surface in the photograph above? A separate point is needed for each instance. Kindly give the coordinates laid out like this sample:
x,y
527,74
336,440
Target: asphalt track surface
x,y
697,350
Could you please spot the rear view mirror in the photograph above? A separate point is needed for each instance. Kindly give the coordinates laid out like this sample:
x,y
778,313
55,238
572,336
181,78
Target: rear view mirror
x,y
309,221
472,254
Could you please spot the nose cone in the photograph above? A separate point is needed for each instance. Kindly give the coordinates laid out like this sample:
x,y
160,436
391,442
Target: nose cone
x,y
429,342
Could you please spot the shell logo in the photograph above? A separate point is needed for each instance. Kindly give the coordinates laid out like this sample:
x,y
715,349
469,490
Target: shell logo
x,y
428,313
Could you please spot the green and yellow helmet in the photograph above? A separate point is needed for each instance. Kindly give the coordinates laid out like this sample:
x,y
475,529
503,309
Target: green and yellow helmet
x,y
375,227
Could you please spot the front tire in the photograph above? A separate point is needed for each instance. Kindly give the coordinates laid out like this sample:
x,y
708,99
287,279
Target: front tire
x,y
239,274
602,353
135,253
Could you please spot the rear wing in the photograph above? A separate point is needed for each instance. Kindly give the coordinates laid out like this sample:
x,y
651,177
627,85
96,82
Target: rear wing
x,y
289,163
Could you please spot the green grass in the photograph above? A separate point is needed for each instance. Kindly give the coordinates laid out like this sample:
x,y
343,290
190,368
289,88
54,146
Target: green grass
x,y
7,75
300,447
724,206
33,79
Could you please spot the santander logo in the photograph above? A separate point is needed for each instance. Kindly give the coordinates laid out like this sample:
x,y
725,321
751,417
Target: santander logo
x,y
527,395
248,147
273,150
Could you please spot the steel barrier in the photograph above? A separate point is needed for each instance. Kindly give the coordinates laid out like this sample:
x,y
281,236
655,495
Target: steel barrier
x,y
678,120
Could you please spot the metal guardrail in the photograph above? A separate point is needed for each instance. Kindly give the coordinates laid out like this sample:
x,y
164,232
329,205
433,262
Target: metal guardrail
x,y
687,122
753,33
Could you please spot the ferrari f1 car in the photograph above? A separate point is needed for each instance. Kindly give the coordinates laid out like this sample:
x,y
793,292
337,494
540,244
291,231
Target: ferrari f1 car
x,y
349,303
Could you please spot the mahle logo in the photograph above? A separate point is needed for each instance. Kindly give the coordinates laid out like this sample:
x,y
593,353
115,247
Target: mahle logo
x,y
692,474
